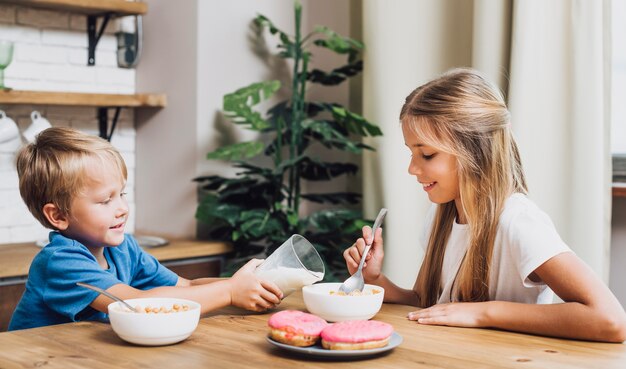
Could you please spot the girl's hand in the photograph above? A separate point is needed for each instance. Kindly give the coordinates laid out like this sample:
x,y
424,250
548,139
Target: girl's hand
x,y
374,258
457,314
249,292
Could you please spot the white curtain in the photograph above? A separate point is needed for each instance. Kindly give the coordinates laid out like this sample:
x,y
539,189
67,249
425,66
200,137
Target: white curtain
x,y
551,58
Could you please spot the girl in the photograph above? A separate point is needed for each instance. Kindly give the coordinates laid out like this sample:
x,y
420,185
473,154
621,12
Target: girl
x,y
493,257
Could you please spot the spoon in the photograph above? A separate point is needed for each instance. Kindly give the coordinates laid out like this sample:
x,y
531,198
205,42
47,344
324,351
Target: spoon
x,y
356,282
107,294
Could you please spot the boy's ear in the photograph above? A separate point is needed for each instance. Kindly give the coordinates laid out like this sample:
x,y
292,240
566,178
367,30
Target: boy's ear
x,y
55,216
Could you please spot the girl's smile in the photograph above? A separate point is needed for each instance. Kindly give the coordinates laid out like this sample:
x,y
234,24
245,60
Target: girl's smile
x,y
428,186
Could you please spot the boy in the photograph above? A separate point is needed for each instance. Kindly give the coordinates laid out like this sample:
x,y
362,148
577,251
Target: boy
x,y
74,184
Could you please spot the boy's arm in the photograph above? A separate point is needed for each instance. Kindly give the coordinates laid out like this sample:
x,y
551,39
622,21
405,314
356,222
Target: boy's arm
x,y
589,311
183,282
243,289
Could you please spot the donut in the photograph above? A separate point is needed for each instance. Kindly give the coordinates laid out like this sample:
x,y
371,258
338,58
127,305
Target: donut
x,y
356,335
296,328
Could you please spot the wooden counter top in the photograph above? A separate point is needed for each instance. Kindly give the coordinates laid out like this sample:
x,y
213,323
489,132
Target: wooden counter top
x,y
15,258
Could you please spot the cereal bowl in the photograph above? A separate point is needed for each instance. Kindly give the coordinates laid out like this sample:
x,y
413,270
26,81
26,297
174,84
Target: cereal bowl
x,y
166,322
325,301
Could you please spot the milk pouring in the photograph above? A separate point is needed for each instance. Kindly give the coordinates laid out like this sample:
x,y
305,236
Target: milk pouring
x,y
290,279
293,265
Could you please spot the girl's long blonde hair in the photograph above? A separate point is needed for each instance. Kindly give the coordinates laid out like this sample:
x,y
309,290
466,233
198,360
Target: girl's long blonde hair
x,y
462,114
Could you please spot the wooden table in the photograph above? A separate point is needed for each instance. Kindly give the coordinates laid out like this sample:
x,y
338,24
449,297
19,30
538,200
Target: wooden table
x,y
233,338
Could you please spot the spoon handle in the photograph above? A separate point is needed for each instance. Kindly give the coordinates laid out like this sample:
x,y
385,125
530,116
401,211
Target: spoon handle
x,y
377,223
107,294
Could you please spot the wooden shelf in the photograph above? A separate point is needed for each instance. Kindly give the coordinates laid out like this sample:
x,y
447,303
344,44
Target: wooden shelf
x,y
90,7
619,189
14,97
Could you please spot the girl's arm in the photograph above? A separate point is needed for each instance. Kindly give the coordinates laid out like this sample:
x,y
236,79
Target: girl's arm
x,y
589,311
372,269
395,294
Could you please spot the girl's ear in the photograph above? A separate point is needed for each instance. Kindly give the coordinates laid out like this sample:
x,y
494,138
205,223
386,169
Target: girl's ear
x,y
55,216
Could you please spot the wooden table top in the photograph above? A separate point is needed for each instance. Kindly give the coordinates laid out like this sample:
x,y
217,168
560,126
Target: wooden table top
x,y
15,258
233,338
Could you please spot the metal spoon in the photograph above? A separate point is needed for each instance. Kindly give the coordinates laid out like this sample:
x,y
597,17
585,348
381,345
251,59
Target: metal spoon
x,y
356,282
107,294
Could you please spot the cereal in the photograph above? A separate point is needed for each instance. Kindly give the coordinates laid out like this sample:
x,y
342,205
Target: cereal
x,y
373,291
176,308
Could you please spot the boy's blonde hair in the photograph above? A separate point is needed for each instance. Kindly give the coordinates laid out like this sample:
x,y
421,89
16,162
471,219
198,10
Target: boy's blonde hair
x,y
462,114
51,169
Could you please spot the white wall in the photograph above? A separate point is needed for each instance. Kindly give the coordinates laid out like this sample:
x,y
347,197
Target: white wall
x,y
201,50
50,54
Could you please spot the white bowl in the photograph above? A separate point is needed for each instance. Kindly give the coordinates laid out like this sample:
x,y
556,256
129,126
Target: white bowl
x,y
336,308
154,329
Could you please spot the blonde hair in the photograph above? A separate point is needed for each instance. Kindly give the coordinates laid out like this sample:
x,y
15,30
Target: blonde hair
x,y
51,169
462,114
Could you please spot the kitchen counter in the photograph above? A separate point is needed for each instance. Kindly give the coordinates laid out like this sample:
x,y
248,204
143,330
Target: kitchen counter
x,y
15,258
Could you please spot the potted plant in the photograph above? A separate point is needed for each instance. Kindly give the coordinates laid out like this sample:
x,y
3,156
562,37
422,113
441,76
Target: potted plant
x,y
261,206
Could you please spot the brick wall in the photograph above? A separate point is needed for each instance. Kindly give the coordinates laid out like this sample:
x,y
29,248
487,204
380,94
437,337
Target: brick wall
x,y
50,54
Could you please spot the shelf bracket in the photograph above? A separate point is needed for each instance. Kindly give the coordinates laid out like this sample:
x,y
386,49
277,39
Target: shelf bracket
x,y
103,122
94,36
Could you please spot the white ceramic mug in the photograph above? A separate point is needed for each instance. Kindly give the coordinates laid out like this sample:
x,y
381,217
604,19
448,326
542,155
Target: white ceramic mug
x,y
9,134
39,124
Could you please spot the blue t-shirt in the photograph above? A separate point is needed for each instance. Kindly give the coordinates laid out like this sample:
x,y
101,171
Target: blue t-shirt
x,y
52,296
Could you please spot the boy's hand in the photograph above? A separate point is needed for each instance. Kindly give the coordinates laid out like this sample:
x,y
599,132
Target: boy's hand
x,y
249,292
374,258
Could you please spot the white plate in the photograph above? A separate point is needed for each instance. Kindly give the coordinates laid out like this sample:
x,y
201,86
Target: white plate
x,y
151,241
394,341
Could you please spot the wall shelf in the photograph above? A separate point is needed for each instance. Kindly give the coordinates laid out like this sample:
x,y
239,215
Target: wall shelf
x,y
88,7
94,10
15,97
101,101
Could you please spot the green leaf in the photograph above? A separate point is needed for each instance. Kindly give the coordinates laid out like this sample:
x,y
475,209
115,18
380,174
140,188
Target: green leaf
x,y
334,198
211,209
352,122
336,76
332,135
238,151
292,218
338,43
336,220
238,105
315,170
287,45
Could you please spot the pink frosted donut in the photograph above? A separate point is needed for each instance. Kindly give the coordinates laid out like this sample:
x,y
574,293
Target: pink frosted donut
x,y
296,328
356,335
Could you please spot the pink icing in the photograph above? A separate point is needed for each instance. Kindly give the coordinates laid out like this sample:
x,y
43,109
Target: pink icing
x,y
355,331
297,322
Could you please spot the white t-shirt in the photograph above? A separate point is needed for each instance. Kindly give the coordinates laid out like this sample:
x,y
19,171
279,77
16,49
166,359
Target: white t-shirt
x,y
525,239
